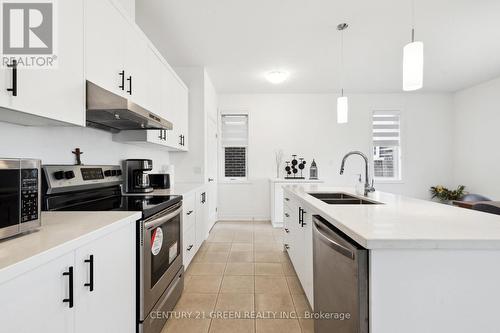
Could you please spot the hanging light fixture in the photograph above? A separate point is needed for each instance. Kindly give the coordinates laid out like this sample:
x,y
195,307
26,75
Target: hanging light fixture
x,y
342,102
413,60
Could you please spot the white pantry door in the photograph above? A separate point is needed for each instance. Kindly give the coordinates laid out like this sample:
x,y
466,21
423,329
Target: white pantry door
x,y
212,165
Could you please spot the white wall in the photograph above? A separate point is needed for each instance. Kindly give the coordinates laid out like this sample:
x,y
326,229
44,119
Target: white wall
x,y
53,145
129,6
305,124
477,135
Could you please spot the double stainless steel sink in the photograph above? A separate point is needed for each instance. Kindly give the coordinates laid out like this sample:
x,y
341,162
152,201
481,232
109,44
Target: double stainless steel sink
x,y
339,198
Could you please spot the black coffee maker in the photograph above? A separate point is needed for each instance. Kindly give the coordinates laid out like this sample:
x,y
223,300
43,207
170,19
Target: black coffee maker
x,y
136,177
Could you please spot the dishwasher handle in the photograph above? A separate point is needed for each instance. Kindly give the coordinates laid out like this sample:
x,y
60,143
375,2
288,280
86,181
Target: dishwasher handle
x,y
318,228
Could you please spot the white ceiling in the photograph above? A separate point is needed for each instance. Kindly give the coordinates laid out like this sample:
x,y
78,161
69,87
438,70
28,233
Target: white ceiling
x,y
240,40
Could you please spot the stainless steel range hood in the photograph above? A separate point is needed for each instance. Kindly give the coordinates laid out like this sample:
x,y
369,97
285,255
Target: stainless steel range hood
x,y
114,113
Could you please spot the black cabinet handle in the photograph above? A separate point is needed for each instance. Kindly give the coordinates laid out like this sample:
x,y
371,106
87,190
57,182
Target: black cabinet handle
x,y
165,135
287,215
122,85
203,197
180,140
287,231
189,213
210,179
161,135
301,219
190,247
129,79
183,141
300,215
14,77
90,261
70,298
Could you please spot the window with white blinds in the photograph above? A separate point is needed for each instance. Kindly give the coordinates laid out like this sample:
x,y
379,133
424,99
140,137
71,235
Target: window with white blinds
x,y
234,141
386,129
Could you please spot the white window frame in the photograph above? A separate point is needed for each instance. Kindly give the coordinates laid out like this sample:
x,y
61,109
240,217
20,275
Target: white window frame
x,y
400,162
222,173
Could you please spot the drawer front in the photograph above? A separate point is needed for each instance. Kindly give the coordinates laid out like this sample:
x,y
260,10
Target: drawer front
x,y
189,244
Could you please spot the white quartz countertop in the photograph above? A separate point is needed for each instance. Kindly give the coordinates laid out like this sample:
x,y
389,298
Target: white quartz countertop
x,y
404,222
177,189
60,233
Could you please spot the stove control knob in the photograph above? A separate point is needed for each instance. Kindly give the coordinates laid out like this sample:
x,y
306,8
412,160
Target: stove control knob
x,y
118,172
59,175
69,175
107,173
113,172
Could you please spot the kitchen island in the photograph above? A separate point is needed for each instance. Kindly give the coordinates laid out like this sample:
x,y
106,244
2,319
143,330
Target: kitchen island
x,y
431,267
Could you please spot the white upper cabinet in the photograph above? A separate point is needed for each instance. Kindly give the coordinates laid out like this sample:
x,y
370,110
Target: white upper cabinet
x,y
137,76
105,46
120,58
51,93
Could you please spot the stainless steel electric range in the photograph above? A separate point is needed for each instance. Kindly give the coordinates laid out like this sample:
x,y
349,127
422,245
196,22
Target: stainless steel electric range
x,y
160,274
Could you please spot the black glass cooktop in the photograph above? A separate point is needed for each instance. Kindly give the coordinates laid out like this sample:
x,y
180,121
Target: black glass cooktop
x,y
99,201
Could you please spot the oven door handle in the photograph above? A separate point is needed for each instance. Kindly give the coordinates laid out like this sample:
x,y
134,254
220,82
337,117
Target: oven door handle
x,y
162,219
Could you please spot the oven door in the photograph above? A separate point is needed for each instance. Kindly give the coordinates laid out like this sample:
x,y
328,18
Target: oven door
x,y
10,197
160,255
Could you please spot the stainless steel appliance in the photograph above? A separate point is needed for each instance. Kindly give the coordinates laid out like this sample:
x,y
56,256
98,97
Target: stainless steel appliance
x,y
159,181
340,280
114,113
19,196
136,178
160,274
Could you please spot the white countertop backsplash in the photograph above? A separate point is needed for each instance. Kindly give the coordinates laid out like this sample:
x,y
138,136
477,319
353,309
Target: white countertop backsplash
x,y
404,222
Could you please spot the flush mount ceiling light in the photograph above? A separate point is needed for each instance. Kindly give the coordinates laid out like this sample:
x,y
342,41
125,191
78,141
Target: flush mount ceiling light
x,y
277,77
413,60
342,102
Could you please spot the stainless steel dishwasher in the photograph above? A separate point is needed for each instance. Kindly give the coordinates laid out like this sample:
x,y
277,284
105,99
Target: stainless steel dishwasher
x,y
340,281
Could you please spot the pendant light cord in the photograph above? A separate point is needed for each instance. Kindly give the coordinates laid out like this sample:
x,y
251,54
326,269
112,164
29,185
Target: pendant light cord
x,y
342,62
412,21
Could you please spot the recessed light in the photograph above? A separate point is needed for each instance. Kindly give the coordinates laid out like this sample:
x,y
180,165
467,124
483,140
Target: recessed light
x,y
277,77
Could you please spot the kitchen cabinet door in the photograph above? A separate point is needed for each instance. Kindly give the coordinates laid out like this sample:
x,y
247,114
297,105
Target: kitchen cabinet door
x,y
105,30
33,302
156,72
307,272
54,93
201,217
137,77
110,306
189,246
183,117
170,102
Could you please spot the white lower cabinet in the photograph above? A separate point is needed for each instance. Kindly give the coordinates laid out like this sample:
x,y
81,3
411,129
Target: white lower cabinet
x,y
201,217
33,302
298,242
189,245
195,223
105,284
56,297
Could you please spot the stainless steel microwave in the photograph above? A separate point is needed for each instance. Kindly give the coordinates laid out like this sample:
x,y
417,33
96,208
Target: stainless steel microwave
x,y
19,196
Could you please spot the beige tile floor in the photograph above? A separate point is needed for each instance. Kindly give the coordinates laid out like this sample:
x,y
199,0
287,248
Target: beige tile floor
x,y
241,271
